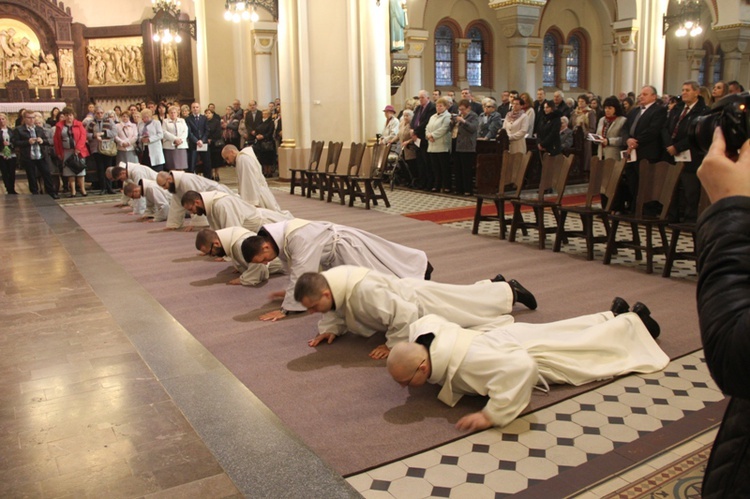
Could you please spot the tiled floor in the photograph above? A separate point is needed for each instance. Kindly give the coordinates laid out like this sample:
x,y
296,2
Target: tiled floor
x,y
77,354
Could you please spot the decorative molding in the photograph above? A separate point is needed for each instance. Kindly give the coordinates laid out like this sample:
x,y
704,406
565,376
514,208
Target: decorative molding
x,y
263,42
731,26
511,3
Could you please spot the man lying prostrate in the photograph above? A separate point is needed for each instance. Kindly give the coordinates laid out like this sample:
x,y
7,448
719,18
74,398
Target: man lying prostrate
x,y
305,246
365,301
126,173
157,199
228,210
178,183
251,184
507,362
227,244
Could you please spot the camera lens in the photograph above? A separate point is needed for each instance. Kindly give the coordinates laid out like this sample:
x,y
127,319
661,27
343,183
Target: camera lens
x,y
701,131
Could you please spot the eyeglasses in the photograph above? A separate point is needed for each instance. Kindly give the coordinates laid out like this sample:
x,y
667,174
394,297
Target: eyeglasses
x,y
407,383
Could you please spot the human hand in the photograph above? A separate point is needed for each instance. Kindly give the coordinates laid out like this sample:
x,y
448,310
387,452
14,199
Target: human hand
x,y
671,150
235,282
188,228
380,352
721,176
473,422
327,337
199,144
277,295
274,316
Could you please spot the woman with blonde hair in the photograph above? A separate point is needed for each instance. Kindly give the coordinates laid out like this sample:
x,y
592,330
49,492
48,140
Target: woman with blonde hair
x,y
438,135
529,110
126,139
517,125
175,143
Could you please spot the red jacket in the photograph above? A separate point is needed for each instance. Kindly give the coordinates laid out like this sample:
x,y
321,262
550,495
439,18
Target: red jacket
x,y
79,135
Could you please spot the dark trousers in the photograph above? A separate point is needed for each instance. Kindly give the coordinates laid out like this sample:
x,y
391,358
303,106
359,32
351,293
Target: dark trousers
x,y
441,170
205,159
424,171
685,205
38,168
102,162
8,171
465,164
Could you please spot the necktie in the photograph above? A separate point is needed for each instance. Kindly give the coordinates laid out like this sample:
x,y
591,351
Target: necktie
x,y
635,121
677,125
36,152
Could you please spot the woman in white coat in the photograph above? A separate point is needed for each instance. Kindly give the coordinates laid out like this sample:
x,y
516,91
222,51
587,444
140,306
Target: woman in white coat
x,y
610,129
126,139
151,134
175,141
438,134
517,125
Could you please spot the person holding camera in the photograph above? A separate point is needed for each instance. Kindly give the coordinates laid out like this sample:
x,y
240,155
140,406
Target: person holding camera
x,y
723,247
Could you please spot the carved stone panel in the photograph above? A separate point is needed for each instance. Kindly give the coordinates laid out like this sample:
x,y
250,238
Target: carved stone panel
x,y
22,58
115,61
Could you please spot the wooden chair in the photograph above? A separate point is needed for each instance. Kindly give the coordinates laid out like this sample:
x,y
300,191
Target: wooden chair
x,y
656,182
298,174
603,180
366,191
555,171
509,187
318,180
677,230
340,183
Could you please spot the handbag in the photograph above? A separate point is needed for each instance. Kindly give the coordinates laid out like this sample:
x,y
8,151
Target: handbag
x,y
76,163
265,146
108,148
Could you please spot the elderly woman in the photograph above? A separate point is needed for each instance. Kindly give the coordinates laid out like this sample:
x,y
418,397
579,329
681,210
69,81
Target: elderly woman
x,y
610,129
230,127
389,135
69,138
265,145
438,135
490,122
548,137
174,143
517,125
150,135
406,142
585,118
184,111
8,158
467,123
566,134
126,139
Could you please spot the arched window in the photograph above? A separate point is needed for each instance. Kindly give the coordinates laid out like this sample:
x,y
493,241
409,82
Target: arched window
x,y
444,56
718,65
576,73
549,63
474,57
704,71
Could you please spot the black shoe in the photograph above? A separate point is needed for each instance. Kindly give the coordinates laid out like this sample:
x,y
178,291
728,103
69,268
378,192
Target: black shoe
x,y
428,272
522,295
619,306
498,278
54,196
645,314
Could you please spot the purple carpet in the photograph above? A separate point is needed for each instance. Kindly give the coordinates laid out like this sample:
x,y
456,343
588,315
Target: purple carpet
x,y
339,401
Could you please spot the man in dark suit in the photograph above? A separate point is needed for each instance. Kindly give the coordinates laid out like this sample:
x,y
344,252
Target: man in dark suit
x,y
642,132
541,97
422,115
198,140
253,119
689,191
504,107
29,139
475,106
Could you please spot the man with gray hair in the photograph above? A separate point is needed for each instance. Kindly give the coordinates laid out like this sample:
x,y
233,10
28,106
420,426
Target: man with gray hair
x,y
99,130
559,99
422,114
178,183
490,121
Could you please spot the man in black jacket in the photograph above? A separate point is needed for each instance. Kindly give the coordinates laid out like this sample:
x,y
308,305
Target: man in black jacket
x,y
685,209
29,139
723,245
253,119
422,115
198,140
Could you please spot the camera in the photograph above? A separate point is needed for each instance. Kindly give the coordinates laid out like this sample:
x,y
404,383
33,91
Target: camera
x,y
732,114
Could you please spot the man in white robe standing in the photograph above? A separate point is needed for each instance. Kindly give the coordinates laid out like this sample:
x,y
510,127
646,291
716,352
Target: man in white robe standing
x,y
126,173
226,244
507,362
157,199
227,210
365,301
307,246
251,184
178,183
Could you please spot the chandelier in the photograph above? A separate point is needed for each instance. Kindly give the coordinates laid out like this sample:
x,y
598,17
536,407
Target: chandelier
x,y
687,20
240,10
167,23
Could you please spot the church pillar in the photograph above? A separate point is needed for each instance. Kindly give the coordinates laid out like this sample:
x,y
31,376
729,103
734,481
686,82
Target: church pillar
x,y
201,71
462,45
517,23
533,51
734,42
712,61
565,51
415,44
264,43
625,33
694,58
683,66
608,78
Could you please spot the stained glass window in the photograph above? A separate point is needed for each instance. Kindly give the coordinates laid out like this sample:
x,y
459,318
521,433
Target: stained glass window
x,y
717,66
573,62
443,56
549,66
474,57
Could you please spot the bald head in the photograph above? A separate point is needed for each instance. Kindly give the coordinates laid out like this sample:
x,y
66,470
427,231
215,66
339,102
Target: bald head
x,y
229,153
162,179
405,359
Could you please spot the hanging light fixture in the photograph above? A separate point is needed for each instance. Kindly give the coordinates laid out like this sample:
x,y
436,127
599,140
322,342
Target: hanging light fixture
x,y
167,23
240,10
687,20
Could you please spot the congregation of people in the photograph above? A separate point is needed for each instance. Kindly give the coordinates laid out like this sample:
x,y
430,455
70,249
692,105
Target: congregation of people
x,y
66,152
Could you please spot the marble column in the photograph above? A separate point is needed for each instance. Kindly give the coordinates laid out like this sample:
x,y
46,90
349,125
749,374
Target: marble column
x,y
734,43
201,68
564,52
625,43
462,45
416,39
712,61
533,76
694,58
517,20
264,44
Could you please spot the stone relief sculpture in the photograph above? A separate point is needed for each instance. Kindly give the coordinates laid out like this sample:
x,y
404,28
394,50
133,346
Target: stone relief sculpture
x,y
67,67
169,68
19,60
118,64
